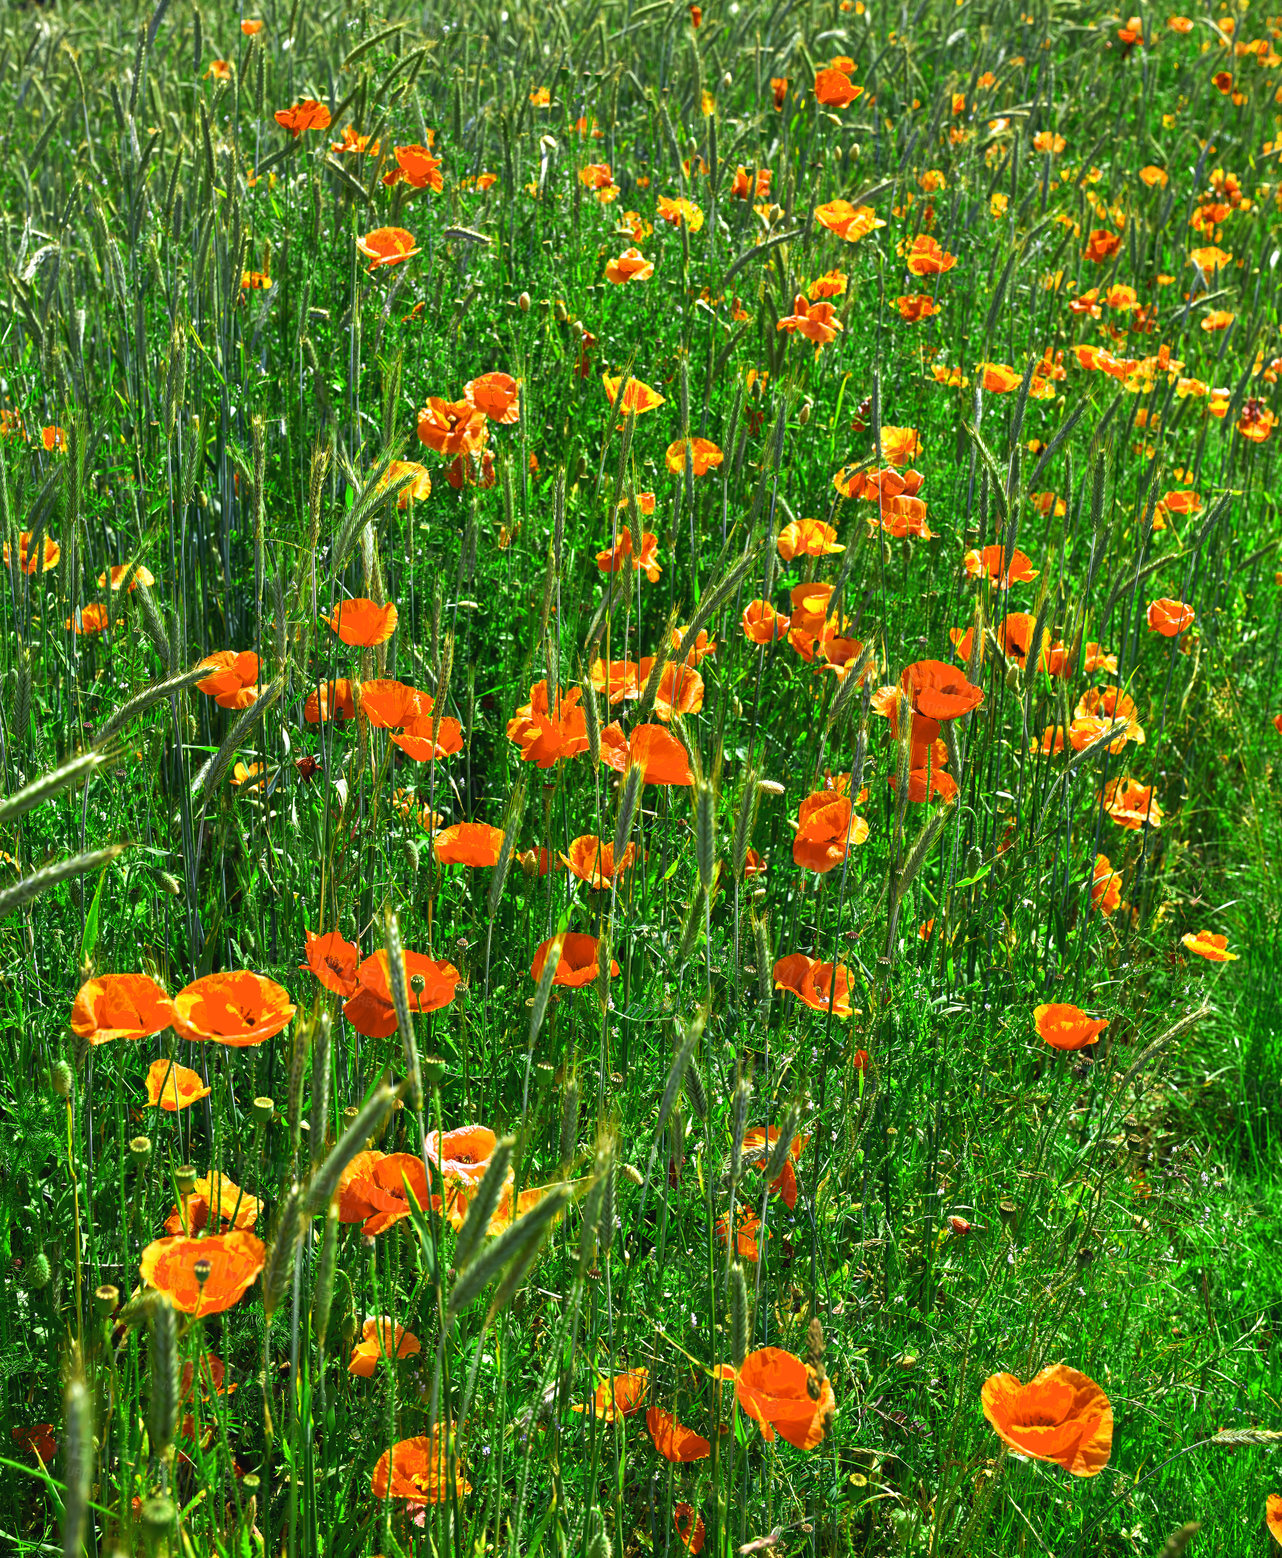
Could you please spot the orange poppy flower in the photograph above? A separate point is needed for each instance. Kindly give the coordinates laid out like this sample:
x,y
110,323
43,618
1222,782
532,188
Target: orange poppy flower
x,y
229,1264
691,1531
497,395
916,306
849,222
229,1203
925,784
50,552
615,558
704,454
1272,1516
834,89
761,1139
832,284
745,187
475,844
89,619
352,1206
379,1197
239,1009
389,704
811,982
593,862
1047,142
462,1155
141,575
1060,1416
419,1469
1106,886
1257,421
417,166
1067,1027
416,741
997,378
417,490
1101,245
307,115
990,563
1205,944
54,439
452,428
173,1087
547,729
927,258
779,87
381,1339
1109,704
620,1396
637,398
233,682
1131,804
762,624
818,322
330,700
747,1230
579,963
680,689
1169,617
674,212
622,677
251,28
900,445
120,1006
660,756
333,961
631,265
828,829
673,1440
807,538
939,691
350,142
363,622
774,1389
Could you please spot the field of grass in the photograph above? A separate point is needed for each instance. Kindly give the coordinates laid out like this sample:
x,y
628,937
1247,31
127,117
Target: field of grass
x,y
639,821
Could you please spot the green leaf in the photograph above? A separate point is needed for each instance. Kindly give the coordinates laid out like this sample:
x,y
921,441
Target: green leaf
x,y
91,921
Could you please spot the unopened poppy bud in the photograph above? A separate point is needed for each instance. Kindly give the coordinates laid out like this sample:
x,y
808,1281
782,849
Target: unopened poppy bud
x,y
958,1226
185,1178
803,416
201,500
349,1328
523,302
106,1299
559,312
262,1110
61,1079
727,80
1009,1213
140,1149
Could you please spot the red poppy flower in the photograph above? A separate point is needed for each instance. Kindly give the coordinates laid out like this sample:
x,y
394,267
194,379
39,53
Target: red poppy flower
x,y
330,700
416,740
704,454
1060,1416
834,89
762,624
333,961
371,1010
120,1006
452,427
379,1195
593,862
418,1469
926,258
228,1202
680,689
990,563
1131,804
381,1339
761,1139
307,115
498,395
1170,617
37,1440
774,1389
173,1087
387,704
462,1155
811,982
46,559
239,1009
826,831
690,1529
417,166
673,1440
622,679
548,728
475,844
1067,1027
620,1396
939,691
579,963
233,683
387,246
644,559
1205,944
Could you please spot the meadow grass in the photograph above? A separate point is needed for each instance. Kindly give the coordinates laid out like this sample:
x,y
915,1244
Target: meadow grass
x,y
595,340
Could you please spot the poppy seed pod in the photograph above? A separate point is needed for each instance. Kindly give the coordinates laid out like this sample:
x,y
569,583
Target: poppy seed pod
x,y
185,1177
106,1300
1009,1213
140,1150
262,1110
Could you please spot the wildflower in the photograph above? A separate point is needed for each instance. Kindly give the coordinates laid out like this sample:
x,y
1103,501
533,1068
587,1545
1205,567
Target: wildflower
x,y
1205,944
1257,421
452,427
1217,319
1101,245
381,1339
834,89
997,378
418,1469
173,1087
1060,1416
1095,658
417,488
807,538
330,700
220,70
832,284
1131,804
1067,1027
219,1195
990,563
631,265
747,187
387,246
307,115
691,1531
1047,141
760,1140
474,844
680,689
703,455
747,1231
779,87
387,704
38,1440
550,726
371,1010
816,321
1169,617
120,1006
1154,177
88,619
233,679
239,1009
363,623
939,691
496,396
774,1389
229,1262
333,961
541,97
578,964
827,829
1106,886
619,1396
251,28
849,222
54,440
417,166
638,398
140,575
762,624
49,554
673,1440
812,983
916,306
676,211
926,258
660,756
